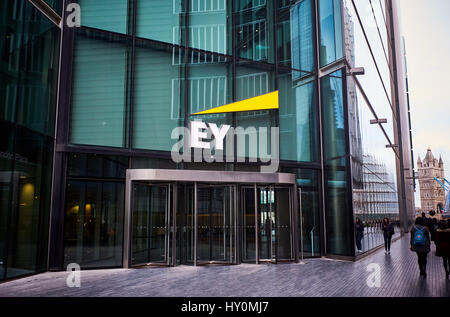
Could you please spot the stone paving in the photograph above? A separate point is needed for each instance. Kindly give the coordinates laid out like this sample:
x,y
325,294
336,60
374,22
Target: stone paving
x,y
317,278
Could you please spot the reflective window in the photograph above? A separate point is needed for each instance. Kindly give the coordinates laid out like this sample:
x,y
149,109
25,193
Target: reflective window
x,y
110,15
298,128
29,51
253,30
308,211
331,40
333,119
161,20
253,80
159,90
55,4
94,165
302,38
338,218
94,224
98,93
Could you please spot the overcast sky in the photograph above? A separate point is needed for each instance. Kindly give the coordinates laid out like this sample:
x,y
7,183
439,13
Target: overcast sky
x,y
426,27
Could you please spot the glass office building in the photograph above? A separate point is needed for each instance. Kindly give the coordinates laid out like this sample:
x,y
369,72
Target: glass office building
x,y
102,187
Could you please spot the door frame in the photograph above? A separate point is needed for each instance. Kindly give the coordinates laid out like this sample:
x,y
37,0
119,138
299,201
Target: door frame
x,y
197,176
168,216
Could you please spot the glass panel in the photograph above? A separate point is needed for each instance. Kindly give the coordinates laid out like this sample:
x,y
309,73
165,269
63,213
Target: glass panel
x,y
377,88
253,30
161,20
94,165
29,56
6,188
208,30
253,80
373,173
185,224
98,95
310,222
333,117
338,217
159,97
55,4
214,223
30,200
94,224
283,223
248,212
308,210
302,41
298,121
266,220
110,15
149,224
330,31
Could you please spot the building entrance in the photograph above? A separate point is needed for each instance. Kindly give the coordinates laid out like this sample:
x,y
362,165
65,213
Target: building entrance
x,y
203,217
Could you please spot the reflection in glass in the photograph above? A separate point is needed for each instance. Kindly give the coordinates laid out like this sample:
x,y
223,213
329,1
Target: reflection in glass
x,y
283,221
248,235
93,224
149,224
266,223
331,39
302,38
214,224
333,117
158,97
298,128
110,15
185,224
29,51
253,30
98,93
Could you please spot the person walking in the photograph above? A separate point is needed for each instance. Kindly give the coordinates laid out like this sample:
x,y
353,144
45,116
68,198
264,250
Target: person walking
x,y
388,232
359,229
420,243
433,227
442,241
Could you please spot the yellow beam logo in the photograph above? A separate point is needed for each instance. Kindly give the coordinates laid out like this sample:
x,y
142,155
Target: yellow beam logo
x,y
264,102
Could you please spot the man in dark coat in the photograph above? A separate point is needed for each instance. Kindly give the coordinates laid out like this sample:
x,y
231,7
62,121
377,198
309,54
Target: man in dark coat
x,y
443,245
359,231
420,243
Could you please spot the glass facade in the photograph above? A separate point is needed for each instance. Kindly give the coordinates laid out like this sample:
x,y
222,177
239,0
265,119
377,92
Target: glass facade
x,y
139,69
29,52
373,166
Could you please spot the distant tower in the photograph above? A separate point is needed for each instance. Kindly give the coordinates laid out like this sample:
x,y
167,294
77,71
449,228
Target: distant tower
x,y
432,195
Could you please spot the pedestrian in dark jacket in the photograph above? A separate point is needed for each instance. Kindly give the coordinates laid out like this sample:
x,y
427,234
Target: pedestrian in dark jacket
x,y
432,226
359,229
420,243
388,232
443,245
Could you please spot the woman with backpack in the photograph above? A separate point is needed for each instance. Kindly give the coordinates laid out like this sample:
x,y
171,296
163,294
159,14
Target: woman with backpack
x,y
443,245
420,243
388,232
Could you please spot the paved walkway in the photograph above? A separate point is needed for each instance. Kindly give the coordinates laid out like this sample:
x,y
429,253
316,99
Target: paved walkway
x,y
318,277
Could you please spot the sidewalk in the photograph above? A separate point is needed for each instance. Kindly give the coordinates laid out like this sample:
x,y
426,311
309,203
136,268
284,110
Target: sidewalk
x,y
319,277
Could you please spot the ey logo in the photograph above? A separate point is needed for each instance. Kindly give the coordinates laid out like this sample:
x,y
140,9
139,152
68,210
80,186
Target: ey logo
x,y
208,139
264,102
